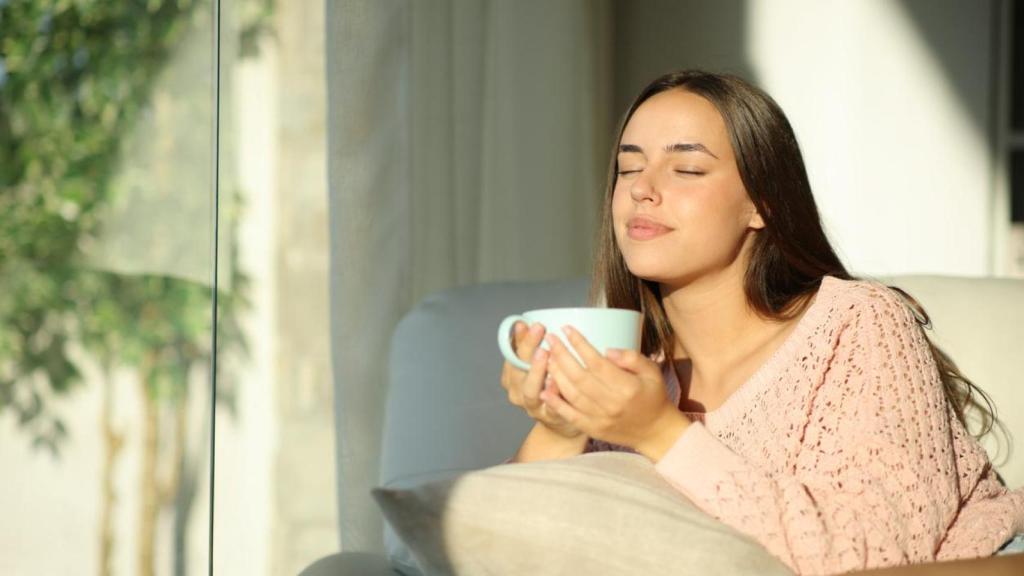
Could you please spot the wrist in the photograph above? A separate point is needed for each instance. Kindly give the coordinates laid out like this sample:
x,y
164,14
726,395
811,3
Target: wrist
x,y
543,443
553,435
667,429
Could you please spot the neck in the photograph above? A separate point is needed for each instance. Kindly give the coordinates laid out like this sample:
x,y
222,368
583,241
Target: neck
x,y
710,318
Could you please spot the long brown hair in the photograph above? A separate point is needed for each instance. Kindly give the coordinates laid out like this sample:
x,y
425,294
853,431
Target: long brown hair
x,y
790,255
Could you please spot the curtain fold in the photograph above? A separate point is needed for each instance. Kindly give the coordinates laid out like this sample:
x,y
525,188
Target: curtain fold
x,y
468,142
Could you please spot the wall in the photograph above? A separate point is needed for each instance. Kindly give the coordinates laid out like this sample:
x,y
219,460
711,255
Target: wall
x,y
891,103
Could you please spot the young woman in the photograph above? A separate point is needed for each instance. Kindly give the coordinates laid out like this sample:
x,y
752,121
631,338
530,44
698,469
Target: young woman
x,y
790,400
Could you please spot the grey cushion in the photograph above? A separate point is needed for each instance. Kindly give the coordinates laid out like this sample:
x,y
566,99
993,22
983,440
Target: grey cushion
x,y
446,411
600,514
350,564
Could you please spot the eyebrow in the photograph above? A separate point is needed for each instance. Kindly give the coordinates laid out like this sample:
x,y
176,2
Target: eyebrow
x,y
677,147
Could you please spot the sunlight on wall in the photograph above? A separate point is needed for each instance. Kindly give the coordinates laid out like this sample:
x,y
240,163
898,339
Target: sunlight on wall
x,y
246,442
899,169
275,509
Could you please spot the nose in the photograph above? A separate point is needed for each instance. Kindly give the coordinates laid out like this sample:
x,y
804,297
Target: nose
x,y
642,188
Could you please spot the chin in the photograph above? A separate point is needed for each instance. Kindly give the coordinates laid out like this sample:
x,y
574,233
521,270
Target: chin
x,y
651,272
659,270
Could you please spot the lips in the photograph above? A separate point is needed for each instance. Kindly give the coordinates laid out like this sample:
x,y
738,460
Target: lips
x,y
641,228
644,222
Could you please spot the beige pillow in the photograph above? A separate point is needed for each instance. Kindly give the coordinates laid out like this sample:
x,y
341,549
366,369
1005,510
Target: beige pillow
x,y
598,514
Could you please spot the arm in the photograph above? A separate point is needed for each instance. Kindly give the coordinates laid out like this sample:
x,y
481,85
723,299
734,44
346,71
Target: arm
x,y
874,482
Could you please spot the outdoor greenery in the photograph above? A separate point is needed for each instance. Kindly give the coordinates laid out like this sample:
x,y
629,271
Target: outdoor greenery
x,y
75,77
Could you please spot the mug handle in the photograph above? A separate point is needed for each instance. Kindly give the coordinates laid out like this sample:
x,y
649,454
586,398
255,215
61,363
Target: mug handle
x,y
504,343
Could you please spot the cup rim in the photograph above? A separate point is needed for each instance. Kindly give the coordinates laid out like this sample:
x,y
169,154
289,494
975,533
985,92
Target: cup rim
x,y
586,308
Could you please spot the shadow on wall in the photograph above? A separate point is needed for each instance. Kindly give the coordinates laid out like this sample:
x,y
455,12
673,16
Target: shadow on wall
x,y
657,36
940,25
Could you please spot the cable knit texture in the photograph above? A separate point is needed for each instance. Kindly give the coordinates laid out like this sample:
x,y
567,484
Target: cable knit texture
x,y
841,451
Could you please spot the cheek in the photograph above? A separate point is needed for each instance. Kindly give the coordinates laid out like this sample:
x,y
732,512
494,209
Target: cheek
x,y
622,209
713,205
621,205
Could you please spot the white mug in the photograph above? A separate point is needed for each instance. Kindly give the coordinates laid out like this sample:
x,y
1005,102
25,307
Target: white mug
x,y
604,328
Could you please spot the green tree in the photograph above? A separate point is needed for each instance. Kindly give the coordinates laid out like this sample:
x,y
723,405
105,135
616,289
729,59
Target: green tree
x,y
75,75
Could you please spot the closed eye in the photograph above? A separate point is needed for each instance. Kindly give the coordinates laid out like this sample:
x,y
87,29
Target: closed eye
x,y
691,172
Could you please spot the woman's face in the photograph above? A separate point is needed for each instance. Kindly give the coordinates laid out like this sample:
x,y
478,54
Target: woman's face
x,y
676,168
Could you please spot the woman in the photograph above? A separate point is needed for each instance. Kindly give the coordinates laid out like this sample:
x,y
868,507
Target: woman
x,y
793,402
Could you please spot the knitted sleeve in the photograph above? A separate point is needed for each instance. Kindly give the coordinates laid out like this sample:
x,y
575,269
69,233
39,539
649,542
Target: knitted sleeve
x,y
874,481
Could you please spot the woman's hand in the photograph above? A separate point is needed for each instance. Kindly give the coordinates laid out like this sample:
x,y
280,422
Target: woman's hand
x,y
619,399
524,387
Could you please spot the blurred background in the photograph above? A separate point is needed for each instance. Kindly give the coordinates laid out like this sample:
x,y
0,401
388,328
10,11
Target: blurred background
x,y
320,167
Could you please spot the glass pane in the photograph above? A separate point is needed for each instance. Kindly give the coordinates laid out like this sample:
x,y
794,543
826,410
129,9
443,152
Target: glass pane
x,y
1017,186
1017,67
106,166
274,504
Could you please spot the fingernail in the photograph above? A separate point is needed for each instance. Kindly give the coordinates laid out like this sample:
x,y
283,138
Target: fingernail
x,y
536,328
538,353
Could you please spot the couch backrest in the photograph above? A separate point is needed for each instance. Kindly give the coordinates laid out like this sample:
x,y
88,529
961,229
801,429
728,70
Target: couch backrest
x,y
446,410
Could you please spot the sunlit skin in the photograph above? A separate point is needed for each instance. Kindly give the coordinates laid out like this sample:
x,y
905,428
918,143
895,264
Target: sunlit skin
x,y
677,167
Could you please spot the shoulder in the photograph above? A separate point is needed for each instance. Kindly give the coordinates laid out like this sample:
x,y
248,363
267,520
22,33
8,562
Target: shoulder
x,y
863,303
878,342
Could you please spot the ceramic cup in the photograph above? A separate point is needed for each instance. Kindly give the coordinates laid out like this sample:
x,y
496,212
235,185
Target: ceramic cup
x,y
604,328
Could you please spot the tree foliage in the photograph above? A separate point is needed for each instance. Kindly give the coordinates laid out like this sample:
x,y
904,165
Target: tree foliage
x,y
74,77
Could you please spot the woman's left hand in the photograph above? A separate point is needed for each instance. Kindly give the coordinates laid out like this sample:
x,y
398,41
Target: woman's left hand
x,y
620,398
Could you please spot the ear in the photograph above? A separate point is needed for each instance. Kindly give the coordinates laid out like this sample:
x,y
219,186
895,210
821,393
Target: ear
x,y
756,222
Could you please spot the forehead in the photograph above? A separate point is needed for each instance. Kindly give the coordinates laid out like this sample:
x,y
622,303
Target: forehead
x,y
677,116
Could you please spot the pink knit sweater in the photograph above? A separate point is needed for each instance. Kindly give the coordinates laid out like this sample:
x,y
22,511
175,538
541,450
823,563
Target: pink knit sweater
x,y
841,451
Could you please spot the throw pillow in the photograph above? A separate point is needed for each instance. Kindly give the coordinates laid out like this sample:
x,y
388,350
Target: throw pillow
x,y
602,513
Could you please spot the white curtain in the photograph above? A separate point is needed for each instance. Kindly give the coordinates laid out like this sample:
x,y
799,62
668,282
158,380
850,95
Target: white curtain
x,y
467,142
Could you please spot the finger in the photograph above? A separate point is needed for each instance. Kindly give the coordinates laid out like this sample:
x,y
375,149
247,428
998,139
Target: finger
x,y
592,358
532,338
583,380
518,331
547,411
576,395
534,380
553,387
563,409
563,358
505,375
515,398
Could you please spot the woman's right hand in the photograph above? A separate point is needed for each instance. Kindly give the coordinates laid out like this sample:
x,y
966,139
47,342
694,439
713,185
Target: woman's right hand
x,y
524,387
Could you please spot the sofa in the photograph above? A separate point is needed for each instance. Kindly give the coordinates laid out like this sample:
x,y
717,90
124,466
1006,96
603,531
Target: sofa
x,y
446,413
